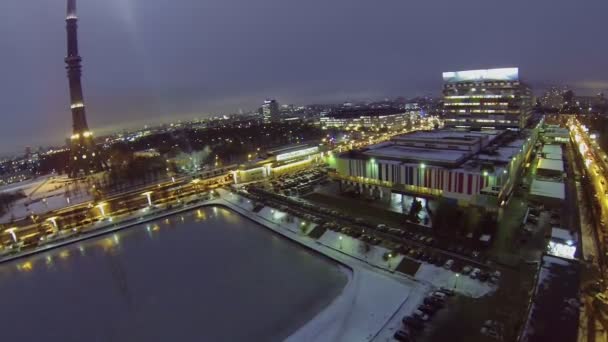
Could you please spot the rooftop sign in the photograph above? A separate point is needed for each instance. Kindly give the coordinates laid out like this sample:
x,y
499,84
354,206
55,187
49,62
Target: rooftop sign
x,y
502,74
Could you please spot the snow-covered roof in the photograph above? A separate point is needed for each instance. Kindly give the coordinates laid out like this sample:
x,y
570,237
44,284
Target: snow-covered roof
x,y
562,234
553,156
553,149
551,164
548,189
422,154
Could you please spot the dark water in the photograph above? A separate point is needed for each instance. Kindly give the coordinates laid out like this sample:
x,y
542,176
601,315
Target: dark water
x,y
209,275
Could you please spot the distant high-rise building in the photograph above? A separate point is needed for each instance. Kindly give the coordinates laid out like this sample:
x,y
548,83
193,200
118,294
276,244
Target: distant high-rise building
x,y
84,157
553,98
489,98
270,111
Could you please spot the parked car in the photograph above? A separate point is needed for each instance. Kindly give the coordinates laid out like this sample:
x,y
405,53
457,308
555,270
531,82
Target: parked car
x,y
412,323
402,336
428,309
447,291
435,302
420,315
448,264
440,295
475,273
467,269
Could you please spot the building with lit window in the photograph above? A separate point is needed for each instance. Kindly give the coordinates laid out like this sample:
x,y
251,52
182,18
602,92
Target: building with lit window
x,y
486,99
371,119
469,167
270,111
276,162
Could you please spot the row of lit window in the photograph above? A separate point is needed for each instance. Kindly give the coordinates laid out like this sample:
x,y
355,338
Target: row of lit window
x,y
84,156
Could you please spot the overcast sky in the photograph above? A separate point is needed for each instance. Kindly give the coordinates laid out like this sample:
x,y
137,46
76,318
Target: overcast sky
x,y
145,60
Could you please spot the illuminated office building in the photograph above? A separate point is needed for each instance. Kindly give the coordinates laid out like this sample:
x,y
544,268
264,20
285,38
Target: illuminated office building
x,y
486,99
270,111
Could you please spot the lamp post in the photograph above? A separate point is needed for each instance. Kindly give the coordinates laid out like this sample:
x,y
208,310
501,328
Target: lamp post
x,y
148,196
340,239
12,232
390,256
101,209
53,220
456,280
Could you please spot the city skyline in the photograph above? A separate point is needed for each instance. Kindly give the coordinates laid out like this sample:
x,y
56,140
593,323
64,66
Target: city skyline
x,y
144,63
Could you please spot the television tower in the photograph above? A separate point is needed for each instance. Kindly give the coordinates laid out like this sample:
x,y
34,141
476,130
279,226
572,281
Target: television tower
x,y
84,157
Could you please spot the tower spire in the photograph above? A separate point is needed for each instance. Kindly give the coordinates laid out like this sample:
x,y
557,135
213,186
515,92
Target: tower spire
x,y
83,155
72,9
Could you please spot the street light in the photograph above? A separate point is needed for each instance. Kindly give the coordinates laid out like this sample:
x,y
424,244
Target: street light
x,y
12,232
340,238
101,210
148,196
456,280
53,220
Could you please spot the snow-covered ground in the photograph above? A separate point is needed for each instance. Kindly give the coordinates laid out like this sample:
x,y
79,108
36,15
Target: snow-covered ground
x,y
461,283
356,248
44,195
369,302
290,222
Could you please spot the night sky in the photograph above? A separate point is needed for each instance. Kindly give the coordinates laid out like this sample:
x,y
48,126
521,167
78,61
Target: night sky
x,y
150,60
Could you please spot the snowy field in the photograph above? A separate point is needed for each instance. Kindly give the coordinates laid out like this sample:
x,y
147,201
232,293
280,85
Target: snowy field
x,y
43,195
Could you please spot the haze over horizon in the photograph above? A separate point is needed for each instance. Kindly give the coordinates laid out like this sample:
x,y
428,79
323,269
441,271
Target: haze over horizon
x,y
152,60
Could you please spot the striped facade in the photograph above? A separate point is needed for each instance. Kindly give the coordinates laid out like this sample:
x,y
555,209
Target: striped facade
x,y
457,182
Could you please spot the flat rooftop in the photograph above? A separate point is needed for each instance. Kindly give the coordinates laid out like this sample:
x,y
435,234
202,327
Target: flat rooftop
x,y
551,164
406,153
449,135
553,156
562,234
548,189
553,149
497,147
554,312
288,148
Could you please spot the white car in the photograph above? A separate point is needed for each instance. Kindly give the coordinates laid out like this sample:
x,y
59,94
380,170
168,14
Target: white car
x,y
439,295
475,273
467,269
448,264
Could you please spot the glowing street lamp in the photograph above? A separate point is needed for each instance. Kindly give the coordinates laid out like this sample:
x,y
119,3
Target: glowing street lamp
x,y
101,209
53,220
340,239
12,232
456,280
149,197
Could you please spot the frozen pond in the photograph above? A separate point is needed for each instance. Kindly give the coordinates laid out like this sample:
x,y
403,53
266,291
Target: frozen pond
x,y
208,275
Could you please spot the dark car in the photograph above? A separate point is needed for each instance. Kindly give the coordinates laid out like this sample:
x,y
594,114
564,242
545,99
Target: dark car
x,y
412,323
402,336
428,309
435,302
